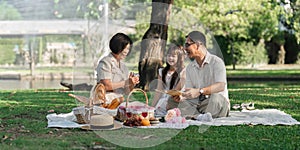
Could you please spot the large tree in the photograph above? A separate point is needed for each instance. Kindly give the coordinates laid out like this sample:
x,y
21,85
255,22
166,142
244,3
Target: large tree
x,y
154,42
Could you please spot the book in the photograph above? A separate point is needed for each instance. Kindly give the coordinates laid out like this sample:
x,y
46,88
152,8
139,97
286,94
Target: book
x,y
170,92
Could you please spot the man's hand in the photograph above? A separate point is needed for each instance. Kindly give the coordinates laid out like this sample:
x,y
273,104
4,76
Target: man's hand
x,y
191,93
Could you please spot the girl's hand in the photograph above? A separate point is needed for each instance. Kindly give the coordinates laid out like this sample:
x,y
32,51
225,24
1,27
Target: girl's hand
x,y
178,98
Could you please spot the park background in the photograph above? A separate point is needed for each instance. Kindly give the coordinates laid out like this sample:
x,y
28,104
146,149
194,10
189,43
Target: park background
x,y
259,42
65,39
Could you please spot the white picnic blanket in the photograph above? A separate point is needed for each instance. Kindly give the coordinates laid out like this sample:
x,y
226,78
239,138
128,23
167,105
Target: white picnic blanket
x,y
253,117
245,117
63,120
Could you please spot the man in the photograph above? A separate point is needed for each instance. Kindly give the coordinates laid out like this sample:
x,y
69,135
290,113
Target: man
x,y
206,93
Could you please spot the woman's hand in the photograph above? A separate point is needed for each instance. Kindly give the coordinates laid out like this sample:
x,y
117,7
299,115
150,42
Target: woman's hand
x,y
134,80
131,81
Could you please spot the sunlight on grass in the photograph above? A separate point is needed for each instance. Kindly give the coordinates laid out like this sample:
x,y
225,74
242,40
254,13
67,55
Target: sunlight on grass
x,y
9,102
267,73
267,104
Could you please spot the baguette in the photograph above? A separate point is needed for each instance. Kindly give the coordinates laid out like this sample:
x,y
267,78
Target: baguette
x,y
115,103
99,94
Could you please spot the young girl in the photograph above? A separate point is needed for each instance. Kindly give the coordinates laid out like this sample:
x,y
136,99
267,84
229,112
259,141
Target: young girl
x,y
170,77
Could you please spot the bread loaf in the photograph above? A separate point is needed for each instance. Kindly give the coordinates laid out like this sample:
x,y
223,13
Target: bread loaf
x,y
99,94
115,103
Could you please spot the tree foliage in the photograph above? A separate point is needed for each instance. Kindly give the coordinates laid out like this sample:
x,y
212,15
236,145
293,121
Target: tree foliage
x,y
7,54
295,18
242,21
8,12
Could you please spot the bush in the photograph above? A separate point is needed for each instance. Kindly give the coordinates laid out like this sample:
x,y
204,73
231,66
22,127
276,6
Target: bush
x,y
248,53
7,54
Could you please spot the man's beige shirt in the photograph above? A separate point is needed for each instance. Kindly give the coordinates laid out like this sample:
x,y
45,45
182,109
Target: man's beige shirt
x,y
212,70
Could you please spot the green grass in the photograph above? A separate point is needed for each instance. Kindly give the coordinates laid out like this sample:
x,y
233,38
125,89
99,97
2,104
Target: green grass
x,y
23,123
263,73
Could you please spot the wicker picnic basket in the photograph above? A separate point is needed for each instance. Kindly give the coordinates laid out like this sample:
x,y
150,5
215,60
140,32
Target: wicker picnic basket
x,y
135,109
93,104
83,113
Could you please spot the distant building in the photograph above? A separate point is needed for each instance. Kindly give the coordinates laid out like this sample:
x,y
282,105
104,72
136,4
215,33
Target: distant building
x,y
59,53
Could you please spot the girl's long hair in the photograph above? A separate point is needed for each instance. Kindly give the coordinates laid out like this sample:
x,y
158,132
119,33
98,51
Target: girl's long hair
x,y
178,50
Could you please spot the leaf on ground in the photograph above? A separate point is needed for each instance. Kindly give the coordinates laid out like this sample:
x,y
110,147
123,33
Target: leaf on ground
x,y
97,143
4,137
24,131
265,139
11,94
102,147
50,111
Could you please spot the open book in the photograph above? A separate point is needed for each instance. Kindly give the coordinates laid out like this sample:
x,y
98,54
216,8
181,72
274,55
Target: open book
x,y
170,92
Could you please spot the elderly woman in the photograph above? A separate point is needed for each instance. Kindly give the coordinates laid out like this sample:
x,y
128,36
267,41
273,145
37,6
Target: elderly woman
x,y
111,70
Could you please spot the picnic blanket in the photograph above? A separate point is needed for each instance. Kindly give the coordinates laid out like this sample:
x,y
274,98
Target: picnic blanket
x,y
245,117
253,117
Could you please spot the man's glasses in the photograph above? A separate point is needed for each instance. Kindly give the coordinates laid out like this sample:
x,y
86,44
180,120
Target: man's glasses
x,y
188,44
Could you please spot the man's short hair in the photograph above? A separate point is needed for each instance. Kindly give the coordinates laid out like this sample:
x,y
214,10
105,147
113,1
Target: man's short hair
x,y
197,36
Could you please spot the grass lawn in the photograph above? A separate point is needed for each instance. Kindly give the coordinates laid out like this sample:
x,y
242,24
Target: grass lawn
x,y
263,73
23,123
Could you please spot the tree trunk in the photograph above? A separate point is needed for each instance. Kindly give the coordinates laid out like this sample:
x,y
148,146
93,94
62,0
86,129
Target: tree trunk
x,y
154,42
281,55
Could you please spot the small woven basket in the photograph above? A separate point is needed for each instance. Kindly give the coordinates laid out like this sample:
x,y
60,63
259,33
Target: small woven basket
x,y
83,114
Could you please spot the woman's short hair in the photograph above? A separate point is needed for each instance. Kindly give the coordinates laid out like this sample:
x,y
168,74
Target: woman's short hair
x,y
118,42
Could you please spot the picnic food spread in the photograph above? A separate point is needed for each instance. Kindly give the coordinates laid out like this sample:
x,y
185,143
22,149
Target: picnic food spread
x,y
133,114
154,121
137,115
114,103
